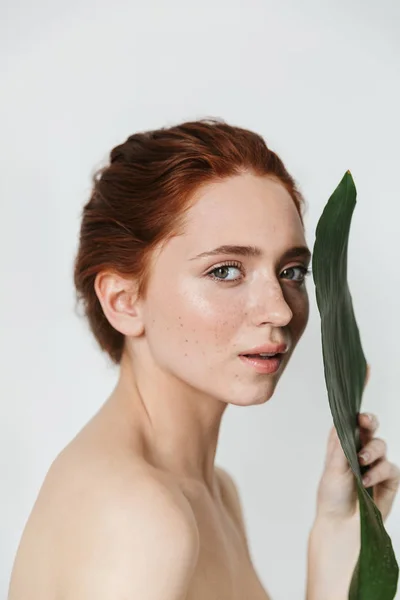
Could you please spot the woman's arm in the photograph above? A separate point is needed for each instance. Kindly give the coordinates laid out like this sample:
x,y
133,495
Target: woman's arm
x,y
333,549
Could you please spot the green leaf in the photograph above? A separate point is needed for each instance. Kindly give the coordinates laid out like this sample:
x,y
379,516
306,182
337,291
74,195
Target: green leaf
x,y
376,574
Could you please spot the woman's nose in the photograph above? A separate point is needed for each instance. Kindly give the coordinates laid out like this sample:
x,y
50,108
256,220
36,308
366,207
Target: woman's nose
x,y
271,308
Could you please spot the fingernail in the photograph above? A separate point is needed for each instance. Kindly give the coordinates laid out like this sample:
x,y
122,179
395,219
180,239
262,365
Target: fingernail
x,y
364,456
370,416
366,480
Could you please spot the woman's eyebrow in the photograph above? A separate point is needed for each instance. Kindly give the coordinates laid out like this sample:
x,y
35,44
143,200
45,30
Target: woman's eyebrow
x,y
227,249
295,252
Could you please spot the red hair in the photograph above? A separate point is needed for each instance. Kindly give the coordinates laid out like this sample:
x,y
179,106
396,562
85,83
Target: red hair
x,y
139,199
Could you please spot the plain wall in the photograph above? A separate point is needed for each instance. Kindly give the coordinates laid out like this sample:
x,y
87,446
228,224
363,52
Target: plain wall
x,y
320,82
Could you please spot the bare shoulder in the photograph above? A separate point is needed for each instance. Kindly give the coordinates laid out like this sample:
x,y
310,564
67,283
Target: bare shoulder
x,y
144,534
119,532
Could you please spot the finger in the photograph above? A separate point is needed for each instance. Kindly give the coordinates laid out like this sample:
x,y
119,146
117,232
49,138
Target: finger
x,y
374,450
369,424
385,474
385,492
368,421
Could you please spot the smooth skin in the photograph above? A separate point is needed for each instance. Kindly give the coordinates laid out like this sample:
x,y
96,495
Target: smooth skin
x,y
134,506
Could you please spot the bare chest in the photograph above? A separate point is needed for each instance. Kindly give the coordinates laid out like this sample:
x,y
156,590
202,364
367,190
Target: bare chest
x,y
224,569
220,576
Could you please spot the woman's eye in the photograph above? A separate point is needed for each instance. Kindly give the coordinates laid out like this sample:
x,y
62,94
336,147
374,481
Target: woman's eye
x,y
224,273
297,274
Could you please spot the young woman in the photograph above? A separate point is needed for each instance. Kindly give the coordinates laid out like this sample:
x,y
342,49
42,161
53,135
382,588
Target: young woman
x,y
191,269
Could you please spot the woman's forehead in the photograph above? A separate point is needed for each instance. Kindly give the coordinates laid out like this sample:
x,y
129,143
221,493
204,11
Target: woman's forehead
x,y
243,206
252,212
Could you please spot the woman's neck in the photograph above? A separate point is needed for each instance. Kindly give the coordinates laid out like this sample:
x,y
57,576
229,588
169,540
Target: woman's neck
x,y
177,426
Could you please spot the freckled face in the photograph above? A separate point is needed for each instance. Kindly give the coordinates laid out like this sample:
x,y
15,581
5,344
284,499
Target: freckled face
x,y
200,313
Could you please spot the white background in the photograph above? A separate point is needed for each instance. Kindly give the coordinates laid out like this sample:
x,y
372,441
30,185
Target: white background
x,y
320,81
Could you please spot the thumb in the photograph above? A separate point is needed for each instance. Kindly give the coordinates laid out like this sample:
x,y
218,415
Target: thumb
x,y
367,375
335,457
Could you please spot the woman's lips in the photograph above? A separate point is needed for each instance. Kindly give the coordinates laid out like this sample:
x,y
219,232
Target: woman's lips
x,y
262,365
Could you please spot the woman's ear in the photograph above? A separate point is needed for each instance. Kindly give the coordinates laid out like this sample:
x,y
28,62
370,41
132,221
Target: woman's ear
x,y
119,300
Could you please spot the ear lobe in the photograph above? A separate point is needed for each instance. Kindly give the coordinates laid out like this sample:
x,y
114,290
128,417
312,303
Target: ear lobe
x,y
118,297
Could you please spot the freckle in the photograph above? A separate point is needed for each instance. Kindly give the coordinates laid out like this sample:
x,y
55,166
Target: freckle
x,y
185,340
181,324
185,354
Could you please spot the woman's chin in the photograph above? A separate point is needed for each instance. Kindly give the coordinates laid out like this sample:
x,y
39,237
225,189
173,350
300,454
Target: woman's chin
x,y
253,399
